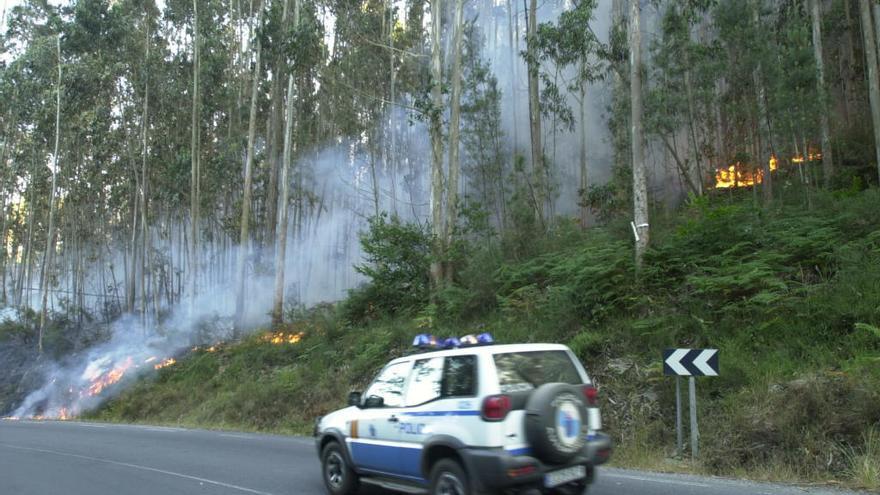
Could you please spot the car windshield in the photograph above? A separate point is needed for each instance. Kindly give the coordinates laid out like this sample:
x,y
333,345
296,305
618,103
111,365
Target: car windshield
x,y
518,371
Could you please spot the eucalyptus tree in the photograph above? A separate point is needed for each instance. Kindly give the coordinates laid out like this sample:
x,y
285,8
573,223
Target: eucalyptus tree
x,y
571,45
244,238
454,129
537,150
435,129
871,63
641,228
485,163
827,160
50,236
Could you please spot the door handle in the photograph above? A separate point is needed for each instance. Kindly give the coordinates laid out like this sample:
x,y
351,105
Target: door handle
x,y
393,419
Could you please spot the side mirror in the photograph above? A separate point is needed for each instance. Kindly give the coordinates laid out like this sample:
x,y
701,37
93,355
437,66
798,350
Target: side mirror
x,y
354,399
374,401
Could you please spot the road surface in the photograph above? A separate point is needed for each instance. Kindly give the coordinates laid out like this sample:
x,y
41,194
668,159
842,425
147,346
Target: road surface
x,y
73,458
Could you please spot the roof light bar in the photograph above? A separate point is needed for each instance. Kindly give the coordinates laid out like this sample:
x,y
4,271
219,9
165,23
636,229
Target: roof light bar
x,y
428,341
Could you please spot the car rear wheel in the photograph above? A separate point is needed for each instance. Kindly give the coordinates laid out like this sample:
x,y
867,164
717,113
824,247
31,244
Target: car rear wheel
x,y
448,478
339,478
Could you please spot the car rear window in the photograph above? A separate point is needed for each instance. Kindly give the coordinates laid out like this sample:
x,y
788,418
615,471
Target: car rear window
x,y
518,371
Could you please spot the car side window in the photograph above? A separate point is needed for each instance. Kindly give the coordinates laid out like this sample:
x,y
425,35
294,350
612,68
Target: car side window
x,y
425,381
459,377
389,384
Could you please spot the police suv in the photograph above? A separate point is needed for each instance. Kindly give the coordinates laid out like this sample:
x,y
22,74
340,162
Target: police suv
x,y
469,418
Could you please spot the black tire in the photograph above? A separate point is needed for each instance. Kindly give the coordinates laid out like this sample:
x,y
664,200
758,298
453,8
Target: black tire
x,y
339,478
556,422
449,478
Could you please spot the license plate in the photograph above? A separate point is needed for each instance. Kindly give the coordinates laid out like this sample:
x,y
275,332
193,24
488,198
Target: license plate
x,y
563,476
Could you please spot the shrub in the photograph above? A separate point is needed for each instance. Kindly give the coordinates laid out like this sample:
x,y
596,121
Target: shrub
x,y
397,260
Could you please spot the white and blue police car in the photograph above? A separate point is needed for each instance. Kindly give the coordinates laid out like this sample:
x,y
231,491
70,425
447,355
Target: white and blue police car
x,y
466,416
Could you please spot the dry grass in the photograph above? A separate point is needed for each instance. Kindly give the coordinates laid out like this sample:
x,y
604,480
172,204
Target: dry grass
x,y
864,461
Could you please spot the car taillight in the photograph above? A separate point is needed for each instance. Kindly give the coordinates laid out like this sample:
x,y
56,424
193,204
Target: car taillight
x,y
495,407
592,395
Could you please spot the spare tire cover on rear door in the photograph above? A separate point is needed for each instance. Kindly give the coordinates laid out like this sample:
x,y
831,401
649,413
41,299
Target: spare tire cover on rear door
x,y
556,422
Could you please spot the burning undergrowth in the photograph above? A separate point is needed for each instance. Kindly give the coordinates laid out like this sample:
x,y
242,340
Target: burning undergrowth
x,y
83,381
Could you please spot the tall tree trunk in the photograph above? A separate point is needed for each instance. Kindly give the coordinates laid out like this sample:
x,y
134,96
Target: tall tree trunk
x,y
50,235
276,137
146,264
827,162
688,84
850,61
763,154
514,79
195,173
392,113
454,131
871,63
876,9
24,280
584,183
281,252
436,132
535,113
246,196
640,183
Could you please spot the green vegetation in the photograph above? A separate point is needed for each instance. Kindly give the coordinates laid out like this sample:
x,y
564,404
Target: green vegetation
x,y
789,294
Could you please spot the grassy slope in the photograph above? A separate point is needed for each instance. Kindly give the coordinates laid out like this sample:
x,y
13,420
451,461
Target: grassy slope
x,y
789,295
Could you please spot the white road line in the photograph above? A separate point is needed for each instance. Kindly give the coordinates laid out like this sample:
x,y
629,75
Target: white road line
x,y
142,468
90,425
654,480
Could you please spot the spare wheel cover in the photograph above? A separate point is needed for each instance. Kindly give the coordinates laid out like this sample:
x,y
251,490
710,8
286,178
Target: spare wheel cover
x,y
556,422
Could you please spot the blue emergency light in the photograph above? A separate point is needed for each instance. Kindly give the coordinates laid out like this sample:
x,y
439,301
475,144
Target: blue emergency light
x,y
428,341
423,340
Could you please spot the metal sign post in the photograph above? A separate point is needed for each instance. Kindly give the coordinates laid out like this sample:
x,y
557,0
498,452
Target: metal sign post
x,y
678,433
695,433
689,363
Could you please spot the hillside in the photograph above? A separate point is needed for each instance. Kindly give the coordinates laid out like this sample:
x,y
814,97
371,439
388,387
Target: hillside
x,y
789,294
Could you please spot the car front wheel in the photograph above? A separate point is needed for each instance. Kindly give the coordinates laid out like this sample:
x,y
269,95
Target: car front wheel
x,y
448,478
339,478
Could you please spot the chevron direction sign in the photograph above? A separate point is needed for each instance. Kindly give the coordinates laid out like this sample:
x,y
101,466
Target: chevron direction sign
x,y
690,362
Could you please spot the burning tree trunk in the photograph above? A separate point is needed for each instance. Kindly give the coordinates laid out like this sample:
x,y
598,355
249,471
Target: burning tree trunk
x,y
246,196
640,183
827,163
50,235
871,62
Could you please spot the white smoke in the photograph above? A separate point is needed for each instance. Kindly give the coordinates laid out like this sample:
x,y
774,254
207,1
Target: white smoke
x,y
347,188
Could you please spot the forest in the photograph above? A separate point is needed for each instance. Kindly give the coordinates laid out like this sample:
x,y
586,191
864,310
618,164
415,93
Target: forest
x,y
175,176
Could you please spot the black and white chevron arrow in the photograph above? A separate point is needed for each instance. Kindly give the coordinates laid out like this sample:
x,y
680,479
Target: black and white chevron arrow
x,y
690,362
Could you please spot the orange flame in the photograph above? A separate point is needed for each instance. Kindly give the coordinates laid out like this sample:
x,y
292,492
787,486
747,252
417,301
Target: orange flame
x,y
278,338
165,362
737,175
105,380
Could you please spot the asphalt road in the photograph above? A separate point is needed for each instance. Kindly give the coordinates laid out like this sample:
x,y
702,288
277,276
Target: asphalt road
x,y
72,458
